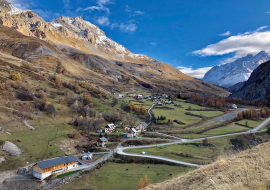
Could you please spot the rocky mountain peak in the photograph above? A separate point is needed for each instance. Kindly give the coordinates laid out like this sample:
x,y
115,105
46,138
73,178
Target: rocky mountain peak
x,y
238,71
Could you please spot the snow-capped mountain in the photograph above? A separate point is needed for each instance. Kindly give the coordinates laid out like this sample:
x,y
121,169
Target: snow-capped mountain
x,y
238,71
92,34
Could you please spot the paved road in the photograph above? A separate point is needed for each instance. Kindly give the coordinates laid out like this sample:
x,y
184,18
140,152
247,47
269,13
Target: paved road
x,y
228,116
149,112
120,150
261,125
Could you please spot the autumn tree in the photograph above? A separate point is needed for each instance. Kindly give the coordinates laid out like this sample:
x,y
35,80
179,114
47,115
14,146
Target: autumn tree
x,y
263,113
143,183
240,116
51,110
169,120
172,97
163,101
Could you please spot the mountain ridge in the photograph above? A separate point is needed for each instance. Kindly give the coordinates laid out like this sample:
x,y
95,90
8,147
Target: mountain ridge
x,y
235,72
77,42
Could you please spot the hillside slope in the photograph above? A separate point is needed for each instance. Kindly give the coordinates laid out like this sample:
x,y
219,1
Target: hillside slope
x,y
76,43
238,71
249,170
258,85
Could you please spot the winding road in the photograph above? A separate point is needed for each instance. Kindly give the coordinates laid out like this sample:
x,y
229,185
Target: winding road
x,y
120,150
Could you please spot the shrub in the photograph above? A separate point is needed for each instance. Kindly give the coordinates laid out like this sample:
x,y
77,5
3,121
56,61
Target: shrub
x,y
41,94
24,96
26,65
15,77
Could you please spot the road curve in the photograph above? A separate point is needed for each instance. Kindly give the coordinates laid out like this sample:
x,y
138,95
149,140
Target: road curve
x,y
120,150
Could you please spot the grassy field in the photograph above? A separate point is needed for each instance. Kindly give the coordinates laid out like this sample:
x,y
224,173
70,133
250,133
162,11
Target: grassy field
x,y
189,152
178,113
35,144
251,123
232,128
69,173
114,176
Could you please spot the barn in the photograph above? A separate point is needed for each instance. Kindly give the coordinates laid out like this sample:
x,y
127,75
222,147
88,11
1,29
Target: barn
x,y
44,169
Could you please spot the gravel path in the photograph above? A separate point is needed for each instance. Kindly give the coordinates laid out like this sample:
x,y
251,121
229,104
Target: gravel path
x,y
228,116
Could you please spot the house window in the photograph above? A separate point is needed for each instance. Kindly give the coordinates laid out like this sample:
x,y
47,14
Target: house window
x,y
73,166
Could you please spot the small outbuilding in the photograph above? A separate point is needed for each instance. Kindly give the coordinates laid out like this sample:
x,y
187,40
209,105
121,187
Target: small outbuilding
x,y
234,106
140,97
101,142
121,95
87,157
99,131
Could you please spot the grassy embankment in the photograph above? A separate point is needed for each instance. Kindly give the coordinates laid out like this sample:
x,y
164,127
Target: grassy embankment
x,y
115,176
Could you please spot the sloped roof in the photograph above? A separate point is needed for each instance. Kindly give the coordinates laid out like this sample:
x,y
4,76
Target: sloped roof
x,y
111,125
103,139
56,161
144,124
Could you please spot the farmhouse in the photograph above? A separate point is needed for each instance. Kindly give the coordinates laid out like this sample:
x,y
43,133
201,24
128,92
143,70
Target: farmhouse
x,y
101,142
110,128
44,169
141,127
140,97
132,133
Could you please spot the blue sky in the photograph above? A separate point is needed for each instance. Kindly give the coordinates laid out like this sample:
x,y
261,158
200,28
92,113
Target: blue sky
x,y
190,35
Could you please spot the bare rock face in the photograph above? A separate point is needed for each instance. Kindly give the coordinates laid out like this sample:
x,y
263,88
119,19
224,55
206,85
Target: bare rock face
x,y
11,148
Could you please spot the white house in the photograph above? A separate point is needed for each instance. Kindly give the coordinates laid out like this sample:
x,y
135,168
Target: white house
x,y
101,142
168,102
110,128
140,96
121,95
44,169
87,157
132,133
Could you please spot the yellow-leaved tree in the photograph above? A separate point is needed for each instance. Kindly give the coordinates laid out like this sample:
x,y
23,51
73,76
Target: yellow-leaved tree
x,y
143,183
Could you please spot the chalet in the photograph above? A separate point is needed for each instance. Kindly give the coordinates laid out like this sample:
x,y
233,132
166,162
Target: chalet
x,y
121,95
110,128
147,97
168,102
141,127
44,169
132,133
101,142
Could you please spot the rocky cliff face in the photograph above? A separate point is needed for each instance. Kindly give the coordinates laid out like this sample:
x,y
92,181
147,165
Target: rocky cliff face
x,y
238,71
258,85
78,44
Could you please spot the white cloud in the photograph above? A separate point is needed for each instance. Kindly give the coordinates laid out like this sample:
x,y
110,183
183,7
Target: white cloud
x,y
240,44
154,44
138,13
128,9
130,27
22,4
103,21
100,6
228,33
66,4
196,73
